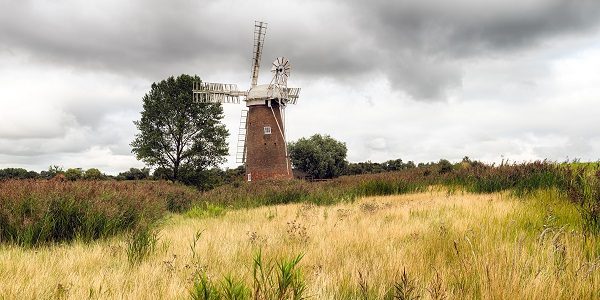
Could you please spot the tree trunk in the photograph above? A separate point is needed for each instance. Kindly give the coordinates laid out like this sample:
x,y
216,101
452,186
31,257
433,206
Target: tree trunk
x,y
176,171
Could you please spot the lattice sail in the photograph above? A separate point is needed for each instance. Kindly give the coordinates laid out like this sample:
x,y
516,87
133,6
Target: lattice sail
x,y
217,92
260,29
292,94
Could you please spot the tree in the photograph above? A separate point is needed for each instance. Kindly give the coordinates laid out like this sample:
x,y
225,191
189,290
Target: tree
x,y
320,156
134,174
17,173
93,174
74,174
52,171
445,166
176,131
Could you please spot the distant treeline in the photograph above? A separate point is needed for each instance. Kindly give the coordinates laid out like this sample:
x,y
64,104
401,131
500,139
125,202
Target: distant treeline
x,y
393,165
204,180
359,168
213,175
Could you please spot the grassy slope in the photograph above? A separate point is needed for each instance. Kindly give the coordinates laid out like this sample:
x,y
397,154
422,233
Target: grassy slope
x,y
478,245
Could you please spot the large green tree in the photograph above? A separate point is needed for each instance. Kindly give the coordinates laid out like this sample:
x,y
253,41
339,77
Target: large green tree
x,y
176,132
320,156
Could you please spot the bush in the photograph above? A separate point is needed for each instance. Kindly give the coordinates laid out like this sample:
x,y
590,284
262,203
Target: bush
x,y
74,174
134,174
444,166
93,174
17,173
320,156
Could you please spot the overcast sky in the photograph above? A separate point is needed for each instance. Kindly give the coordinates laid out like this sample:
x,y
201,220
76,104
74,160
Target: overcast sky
x,y
417,80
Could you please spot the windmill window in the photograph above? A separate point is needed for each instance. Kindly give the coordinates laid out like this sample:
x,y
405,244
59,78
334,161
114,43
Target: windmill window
x,y
267,129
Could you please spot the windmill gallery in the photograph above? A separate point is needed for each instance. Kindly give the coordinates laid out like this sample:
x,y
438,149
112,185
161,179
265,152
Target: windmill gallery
x,y
262,145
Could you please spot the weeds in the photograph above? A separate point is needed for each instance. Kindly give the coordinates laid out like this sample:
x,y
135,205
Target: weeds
x,y
140,244
194,245
271,281
206,210
234,289
204,289
406,288
436,288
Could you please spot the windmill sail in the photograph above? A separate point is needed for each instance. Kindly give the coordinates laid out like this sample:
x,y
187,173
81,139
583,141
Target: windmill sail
x,y
260,28
262,143
217,92
292,94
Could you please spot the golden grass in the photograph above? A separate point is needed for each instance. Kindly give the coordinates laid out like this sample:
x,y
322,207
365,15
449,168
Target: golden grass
x,y
477,246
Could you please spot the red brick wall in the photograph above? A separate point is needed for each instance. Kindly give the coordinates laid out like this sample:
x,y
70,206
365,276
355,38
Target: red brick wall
x,y
265,158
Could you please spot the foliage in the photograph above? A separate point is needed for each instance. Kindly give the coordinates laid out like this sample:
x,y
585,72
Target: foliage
x,y
202,179
74,174
134,174
93,174
320,156
51,172
176,132
17,173
444,166
373,167
208,179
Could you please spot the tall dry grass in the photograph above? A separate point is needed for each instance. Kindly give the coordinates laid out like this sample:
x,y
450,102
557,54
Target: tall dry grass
x,y
433,245
38,212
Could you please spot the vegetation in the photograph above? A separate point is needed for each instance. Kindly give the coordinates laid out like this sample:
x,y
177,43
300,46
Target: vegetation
x,y
373,167
176,132
38,212
430,245
480,178
319,156
141,244
281,280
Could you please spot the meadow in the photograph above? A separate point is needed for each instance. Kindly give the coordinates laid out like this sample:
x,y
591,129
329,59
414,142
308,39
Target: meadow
x,y
434,245
474,231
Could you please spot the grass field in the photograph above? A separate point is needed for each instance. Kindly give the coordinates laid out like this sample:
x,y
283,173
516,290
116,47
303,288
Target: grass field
x,y
433,244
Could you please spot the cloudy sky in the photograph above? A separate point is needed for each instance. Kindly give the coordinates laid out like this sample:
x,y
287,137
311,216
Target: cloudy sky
x,y
417,80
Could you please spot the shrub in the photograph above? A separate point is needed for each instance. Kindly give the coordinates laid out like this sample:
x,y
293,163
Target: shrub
x,y
93,174
74,174
320,156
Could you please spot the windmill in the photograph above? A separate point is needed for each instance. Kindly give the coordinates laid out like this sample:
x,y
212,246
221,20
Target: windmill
x,y
262,145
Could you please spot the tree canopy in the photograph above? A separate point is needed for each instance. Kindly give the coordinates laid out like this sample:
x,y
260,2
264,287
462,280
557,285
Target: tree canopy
x,y
176,132
320,156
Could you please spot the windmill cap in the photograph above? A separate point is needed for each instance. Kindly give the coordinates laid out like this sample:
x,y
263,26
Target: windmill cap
x,y
259,93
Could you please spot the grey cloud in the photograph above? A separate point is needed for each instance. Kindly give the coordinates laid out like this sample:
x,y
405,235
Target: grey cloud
x,y
418,45
496,60
425,42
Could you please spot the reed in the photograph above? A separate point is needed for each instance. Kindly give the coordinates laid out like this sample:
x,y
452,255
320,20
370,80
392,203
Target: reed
x,y
39,212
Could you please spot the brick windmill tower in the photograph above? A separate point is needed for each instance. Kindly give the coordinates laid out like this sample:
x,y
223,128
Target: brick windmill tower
x,y
262,145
